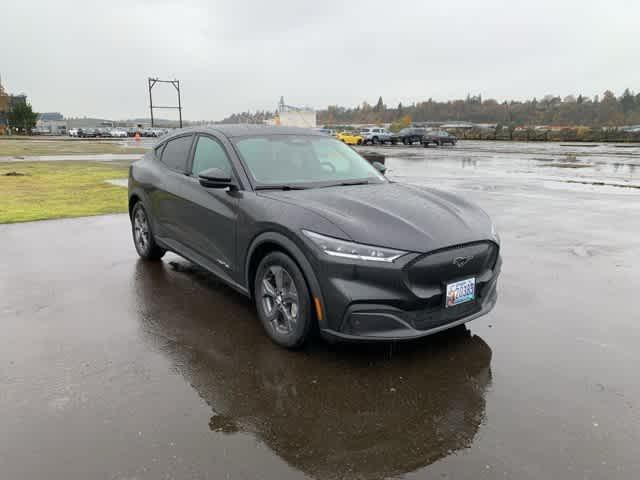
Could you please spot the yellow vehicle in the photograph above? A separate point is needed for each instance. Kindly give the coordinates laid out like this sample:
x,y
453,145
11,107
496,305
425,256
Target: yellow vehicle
x,y
350,138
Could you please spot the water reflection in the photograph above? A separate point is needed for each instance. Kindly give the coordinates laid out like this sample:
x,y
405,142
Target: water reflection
x,y
467,162
329,411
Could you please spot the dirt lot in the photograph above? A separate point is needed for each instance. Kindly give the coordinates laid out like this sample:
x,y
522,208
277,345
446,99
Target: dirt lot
x,y
119,369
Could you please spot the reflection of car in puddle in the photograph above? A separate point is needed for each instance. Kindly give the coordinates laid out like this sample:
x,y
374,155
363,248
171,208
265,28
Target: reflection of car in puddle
x,y
369,411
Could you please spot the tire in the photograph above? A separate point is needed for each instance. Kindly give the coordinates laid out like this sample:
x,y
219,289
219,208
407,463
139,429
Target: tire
x,y
282,300
425,144
375,141
145,244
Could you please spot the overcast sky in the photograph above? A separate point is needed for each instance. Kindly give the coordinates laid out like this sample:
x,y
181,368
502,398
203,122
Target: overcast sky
x,y
93,58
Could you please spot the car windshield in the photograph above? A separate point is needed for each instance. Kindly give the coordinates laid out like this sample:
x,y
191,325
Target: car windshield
x,y
303,160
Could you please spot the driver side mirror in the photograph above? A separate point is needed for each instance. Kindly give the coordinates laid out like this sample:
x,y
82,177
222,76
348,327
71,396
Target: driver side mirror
x,y
379,166
214,178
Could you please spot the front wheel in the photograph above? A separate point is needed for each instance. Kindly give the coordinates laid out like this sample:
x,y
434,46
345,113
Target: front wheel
x,y
282,300
143,236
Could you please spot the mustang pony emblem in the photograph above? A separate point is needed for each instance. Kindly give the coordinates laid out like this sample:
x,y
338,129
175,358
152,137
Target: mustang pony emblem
x,y
461,261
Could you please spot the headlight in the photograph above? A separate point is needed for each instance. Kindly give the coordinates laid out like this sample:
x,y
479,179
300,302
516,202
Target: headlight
x,y
341,248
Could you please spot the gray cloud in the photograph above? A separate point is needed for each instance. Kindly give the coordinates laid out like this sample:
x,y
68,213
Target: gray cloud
x,y
92,58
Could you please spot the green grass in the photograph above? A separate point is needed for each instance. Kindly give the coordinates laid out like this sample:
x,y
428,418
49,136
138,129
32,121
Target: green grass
x,y
20,147
60,190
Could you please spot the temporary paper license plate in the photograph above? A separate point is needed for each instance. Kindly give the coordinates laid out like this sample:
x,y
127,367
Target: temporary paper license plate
x,y
461,292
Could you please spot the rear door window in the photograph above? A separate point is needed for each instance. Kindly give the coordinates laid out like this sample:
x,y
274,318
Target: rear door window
x,y
176,153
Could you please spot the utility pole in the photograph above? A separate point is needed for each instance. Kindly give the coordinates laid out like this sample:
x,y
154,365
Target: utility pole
x,y
176,85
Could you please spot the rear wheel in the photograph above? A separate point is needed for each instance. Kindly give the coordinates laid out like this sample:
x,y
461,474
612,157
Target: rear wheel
x,y
375,141
143,236
282,300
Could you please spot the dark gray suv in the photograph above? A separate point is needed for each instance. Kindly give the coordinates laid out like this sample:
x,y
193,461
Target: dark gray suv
x,y
316,235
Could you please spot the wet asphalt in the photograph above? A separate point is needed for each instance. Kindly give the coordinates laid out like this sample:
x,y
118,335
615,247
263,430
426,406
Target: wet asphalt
x,y
113,368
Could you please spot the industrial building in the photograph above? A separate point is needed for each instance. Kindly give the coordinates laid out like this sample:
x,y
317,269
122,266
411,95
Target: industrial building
x,y
290,116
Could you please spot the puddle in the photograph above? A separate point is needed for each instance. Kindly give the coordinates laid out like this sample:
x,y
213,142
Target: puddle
x,y
118,182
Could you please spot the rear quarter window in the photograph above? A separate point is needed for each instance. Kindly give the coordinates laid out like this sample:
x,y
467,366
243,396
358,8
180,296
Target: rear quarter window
x,y
176,153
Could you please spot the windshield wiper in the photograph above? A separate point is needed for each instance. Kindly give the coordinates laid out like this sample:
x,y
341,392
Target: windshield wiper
x,y
356,182
280,187
348,184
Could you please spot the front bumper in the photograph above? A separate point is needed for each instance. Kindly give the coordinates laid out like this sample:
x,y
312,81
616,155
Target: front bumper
x,y
404,300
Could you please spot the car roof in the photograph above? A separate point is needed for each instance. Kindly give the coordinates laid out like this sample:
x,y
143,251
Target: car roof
x,y
240,130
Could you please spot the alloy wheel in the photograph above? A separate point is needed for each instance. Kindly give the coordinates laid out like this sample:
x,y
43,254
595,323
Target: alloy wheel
x,y
141,230
279,298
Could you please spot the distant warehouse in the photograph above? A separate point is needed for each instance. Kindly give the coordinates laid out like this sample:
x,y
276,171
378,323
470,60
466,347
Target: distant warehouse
x,y
290,116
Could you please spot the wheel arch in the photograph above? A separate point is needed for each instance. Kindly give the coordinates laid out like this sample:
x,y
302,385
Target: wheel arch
x,y
137,195
268,242
133,199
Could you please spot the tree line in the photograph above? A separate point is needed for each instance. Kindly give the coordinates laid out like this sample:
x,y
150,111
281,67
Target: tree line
x,y
607,110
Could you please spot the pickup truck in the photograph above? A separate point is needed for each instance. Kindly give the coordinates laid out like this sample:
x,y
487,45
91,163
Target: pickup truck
x,y
438,137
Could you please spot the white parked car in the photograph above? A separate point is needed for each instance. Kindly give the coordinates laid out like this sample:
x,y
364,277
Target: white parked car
x,y
73,132
118,133
375,135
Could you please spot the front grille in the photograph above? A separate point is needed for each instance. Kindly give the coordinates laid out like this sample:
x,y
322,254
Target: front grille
x,y
435,317
427,276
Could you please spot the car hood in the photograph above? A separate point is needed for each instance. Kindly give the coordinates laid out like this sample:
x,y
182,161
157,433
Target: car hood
x,y
394,215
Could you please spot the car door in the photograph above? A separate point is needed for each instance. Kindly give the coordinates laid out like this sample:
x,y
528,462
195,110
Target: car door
x,y
167,196
210,214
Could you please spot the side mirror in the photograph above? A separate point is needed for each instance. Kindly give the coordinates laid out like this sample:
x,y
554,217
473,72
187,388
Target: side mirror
x,y
214,178
379,166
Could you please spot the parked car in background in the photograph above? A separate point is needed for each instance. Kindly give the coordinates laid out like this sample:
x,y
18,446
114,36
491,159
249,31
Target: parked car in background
x,y
103,132
409,135
152,132
350,138
118,133
326,131
314,234
439,137
73,132
87,132
375,135
40,131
